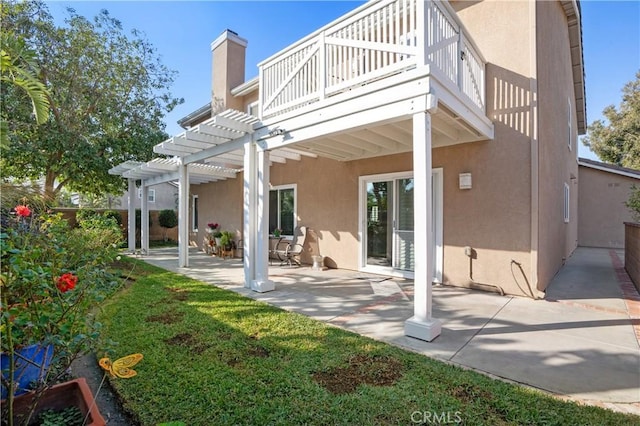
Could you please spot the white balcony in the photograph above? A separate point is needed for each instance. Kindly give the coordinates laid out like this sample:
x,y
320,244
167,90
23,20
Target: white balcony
x,y
377,41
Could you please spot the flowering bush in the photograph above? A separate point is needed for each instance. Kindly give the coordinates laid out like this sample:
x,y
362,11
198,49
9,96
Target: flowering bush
x,y
51,278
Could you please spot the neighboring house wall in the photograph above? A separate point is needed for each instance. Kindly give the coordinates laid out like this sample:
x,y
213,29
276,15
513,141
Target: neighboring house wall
x,y
166,197
557,159
602,212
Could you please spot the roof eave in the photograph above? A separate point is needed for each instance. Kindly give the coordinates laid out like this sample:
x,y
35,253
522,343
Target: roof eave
x,y
574,22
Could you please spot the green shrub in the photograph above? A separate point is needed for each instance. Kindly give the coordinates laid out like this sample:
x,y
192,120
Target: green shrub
x,y
85,214
52,278
168,218
633,203
113,214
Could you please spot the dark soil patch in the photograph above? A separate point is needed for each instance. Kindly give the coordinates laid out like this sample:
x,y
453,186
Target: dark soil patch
x,y
179,294
259,352
362,369
187,340
233,361
469,393
169,317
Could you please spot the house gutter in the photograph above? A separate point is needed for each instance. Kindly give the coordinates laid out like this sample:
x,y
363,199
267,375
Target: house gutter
x,y
246,87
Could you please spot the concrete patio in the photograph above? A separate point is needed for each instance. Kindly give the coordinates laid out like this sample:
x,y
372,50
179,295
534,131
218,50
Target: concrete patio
x,y
580,343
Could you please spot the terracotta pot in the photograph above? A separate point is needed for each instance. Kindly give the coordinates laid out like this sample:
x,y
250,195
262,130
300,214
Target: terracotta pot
x,y
74,393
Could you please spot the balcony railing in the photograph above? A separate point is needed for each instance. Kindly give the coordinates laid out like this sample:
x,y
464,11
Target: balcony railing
x,y
374,41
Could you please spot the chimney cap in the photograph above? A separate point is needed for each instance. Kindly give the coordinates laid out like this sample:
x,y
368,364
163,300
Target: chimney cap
x,y
231,36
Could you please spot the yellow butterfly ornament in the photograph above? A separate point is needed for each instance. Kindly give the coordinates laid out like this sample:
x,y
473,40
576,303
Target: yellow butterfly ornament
x,y
121,367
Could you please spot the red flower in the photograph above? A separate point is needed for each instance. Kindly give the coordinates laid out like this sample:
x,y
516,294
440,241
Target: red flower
x,y
66,282
23,211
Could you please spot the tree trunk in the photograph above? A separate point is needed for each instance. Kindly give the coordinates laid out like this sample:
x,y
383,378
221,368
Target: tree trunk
x,y
50,191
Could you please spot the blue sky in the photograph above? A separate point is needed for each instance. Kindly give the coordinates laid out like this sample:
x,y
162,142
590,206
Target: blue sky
x,y
182,31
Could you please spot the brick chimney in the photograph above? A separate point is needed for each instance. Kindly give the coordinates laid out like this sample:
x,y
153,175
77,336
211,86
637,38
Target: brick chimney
x,y
227,70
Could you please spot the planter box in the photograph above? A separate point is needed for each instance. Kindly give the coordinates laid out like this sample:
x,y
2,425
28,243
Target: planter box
x,y
632,252
74,393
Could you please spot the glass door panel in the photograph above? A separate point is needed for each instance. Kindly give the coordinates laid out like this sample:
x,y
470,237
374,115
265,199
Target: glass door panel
x,y
379,223
403,254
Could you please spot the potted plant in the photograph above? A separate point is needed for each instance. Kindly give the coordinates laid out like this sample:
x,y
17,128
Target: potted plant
x,y
51,277
212,227
226,240
217,236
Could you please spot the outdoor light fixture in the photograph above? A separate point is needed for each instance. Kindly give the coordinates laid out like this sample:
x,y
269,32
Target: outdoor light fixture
x,y
277,132
464,180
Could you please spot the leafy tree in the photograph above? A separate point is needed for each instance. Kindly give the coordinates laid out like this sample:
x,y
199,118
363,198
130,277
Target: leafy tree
x,y
18,68
108,96
619,141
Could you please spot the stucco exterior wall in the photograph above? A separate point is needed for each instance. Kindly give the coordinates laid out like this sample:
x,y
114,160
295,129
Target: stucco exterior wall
x,y
485,217
499,223
492,218
557,154
220,202
601,212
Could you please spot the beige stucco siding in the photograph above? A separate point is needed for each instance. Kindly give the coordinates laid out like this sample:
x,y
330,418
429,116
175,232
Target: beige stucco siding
x,y
493,217
220,202
500,226
601,207
557,161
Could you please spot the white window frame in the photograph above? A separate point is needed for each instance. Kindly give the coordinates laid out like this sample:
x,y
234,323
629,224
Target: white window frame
x,y
252,105
569,110
567,203
151,195
295,204
194,213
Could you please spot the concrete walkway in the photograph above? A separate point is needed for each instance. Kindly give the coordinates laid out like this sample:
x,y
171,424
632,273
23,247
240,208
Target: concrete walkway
x,y
578,343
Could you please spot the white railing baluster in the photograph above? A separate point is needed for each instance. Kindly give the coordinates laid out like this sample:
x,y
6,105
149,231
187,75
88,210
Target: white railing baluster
x,y
322,67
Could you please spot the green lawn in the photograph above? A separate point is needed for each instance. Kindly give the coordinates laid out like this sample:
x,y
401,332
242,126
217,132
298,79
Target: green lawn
x,y
212,356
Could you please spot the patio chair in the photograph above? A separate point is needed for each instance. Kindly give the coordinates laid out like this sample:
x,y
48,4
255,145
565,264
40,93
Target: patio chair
x,y
292,252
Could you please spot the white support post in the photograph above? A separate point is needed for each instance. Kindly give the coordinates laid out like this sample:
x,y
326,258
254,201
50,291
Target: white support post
x,y
249,236
261,284
144,219
183,215
422,325
132,193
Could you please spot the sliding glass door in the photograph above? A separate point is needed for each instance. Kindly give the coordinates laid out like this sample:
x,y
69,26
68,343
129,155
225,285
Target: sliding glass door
x,y
387,223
